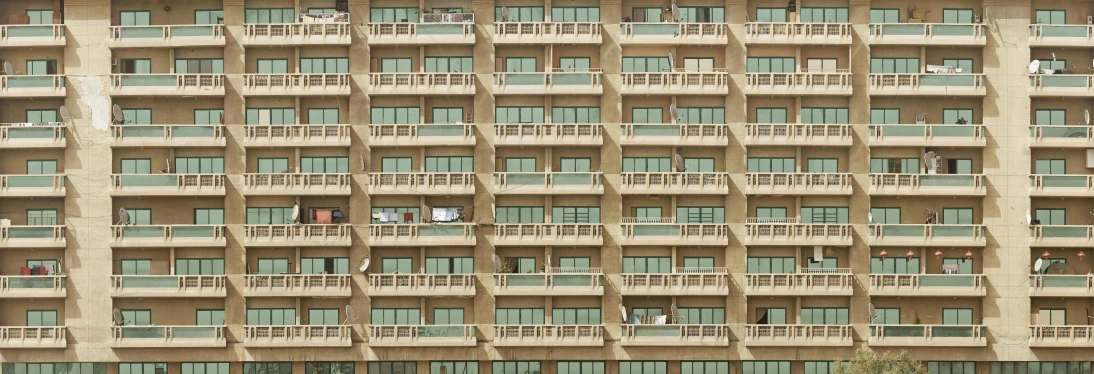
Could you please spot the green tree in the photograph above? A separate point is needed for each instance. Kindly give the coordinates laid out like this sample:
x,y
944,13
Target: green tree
x,y
869,362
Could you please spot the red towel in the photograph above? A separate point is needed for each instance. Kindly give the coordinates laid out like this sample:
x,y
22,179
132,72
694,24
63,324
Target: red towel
x,y
323,216
23,270
408,217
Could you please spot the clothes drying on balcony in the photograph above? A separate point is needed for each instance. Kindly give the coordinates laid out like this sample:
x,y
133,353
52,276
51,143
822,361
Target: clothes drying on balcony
x,y
322,216
37,270
441,215
324,18
385,217
36,124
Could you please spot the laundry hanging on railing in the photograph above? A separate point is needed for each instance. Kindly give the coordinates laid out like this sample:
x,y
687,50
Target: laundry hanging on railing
x,y
323,216
386,216
440,215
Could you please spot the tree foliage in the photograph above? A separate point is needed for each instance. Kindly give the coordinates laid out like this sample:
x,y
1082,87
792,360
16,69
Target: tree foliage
x,y
869,362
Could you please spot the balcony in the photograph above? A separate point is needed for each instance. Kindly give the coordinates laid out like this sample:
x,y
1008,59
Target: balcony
x,y
168,286
561,234
797,234
899,235
167,36
167,236
1062,85
1060,136
659,33
838,283
1061,336
1061,185
296,135
559,82
890,184
18,36
1071,236
435,29
426,184
679,183
296,84
548,134
421,285
32,237
297,336
932,285
801,135
203,85
547,33
12,337
714,135
675,335
785,33
799,183
168,136
424,135
32,185
20,86
296,34
335,235
927,336
167,185
1061,285
297,285
29,135
422,336
713,82
548,335
421,235
799,335
550,284
950,34
1061,35
669,233
296,184
681,282
168,337
421,84
964,85
927,136
32,287
797,84
549,183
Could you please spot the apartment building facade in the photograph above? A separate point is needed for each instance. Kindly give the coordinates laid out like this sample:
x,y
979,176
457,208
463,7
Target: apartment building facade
x,y
557,187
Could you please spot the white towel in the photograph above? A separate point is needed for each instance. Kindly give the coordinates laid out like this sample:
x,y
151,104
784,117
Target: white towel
x,y
661,320
389,217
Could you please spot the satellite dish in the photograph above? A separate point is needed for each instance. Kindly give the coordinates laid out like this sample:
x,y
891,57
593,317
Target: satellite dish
x,y
361,158
119,117
1029,219
7,68
1053,56
497,264
295,212
1035,67
123,217
118,319
1037,265
675,13
364,264
1088,316
674,112
351,316
168,165
672,63
623,309
679,163
1086,117
675,311
66,116
873,313
505,14
548,269
870,217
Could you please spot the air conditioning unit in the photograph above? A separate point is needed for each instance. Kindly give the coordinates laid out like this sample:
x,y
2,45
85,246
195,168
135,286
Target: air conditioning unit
x,y
113,62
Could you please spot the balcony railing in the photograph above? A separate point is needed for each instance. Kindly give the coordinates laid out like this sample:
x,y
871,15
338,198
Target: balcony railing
x,y
675,234
560,81
168,235
572,233
927,335
32,236
296,183
167,285
800,183
675,335
32,86
422,183
797,33
1061,85
1060,35
1062,235
296,135
1061,336
32,135
297,84
548,335
550,284
421,134
713,281
1061,136
168,35
292,234
32,185
923,33
32,286
775,233
675,134
297,33
927,84
422,336
1081,285
797,134
523,183
168,84
32,35
168,336
947,235
927,135
804,284
799,335
927,285
286,285
444,285
684,82
548,134
821,83
422,83
422,234
169,135
447,28
676,183
297,336
171,184
667,33
927,184
33,337
547,32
